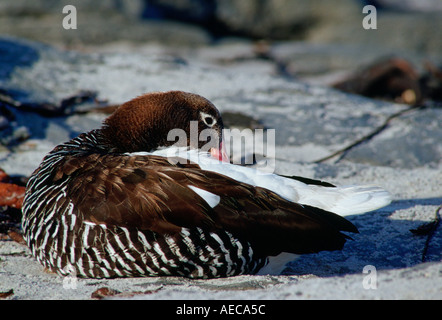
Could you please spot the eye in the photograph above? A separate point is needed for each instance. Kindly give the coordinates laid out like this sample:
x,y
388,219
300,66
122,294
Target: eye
x,y
209,120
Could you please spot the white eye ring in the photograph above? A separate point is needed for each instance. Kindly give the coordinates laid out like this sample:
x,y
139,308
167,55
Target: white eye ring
x,y
208,119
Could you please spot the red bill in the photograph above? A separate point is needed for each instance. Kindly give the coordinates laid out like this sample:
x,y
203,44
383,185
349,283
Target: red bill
x,y
220,153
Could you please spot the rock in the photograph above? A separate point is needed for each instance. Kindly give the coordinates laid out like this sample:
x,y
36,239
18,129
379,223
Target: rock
x,y
200,22
410,5
12,192
410,141
395,79
284,19
6,294
396,32
97,23
11,195
103,293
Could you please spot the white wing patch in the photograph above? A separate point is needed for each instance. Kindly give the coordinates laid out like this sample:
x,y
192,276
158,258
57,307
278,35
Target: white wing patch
x,y
344,200
211,199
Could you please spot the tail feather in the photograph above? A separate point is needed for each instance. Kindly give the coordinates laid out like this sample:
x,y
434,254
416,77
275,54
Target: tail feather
x,y
346,200
343,201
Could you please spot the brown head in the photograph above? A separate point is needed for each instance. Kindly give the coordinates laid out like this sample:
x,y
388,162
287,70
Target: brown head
x,y
152,120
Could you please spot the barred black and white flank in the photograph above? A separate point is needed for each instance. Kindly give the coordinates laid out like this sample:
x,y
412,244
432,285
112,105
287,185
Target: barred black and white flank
x,y
109,203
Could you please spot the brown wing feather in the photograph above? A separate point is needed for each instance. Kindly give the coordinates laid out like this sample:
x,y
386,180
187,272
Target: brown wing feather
x,y
268,221
133,192
149,193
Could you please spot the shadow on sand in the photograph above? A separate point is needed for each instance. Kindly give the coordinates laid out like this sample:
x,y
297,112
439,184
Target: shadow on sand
x,y
385,241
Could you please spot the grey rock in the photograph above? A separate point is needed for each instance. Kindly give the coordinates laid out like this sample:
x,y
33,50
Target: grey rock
x,y
98,22
410,141
411,5
281,19
194,22
397,32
